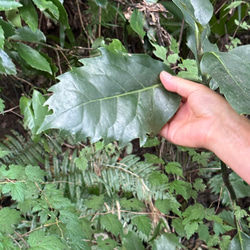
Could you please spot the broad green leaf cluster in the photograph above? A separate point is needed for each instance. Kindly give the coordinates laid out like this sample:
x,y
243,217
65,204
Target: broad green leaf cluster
x,y
90,171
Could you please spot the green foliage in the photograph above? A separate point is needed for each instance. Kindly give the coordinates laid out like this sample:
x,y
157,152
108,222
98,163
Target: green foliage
x,y
231,79
104,194
117,102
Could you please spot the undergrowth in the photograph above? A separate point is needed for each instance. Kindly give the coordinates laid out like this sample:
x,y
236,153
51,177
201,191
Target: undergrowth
x,y
59,193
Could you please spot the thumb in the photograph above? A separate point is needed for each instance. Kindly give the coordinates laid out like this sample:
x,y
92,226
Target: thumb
x,y
178,85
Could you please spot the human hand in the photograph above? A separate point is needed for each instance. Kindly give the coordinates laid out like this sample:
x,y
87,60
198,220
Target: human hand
x,y
202,111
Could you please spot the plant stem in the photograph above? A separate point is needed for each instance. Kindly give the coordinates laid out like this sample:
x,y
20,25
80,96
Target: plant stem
x,y
225,176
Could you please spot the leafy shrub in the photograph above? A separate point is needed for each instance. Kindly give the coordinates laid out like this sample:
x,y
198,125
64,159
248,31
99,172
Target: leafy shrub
x,y
101,194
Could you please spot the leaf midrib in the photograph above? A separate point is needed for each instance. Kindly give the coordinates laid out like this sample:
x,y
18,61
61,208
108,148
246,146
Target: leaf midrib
x,y
111,97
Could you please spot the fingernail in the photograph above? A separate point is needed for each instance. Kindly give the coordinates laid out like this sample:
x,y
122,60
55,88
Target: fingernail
x,y
166,74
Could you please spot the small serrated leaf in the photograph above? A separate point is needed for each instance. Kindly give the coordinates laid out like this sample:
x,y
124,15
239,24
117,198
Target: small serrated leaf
x,y
95,202
132,204
167,241
174,168
8,217
167,205
137,22
132,241
191,228
16,189
194,213
15,172
34,173
143,224
34,112
81,163
39,241
111,223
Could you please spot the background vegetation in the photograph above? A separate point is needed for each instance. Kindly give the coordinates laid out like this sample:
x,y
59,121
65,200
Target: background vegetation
x,y
83,187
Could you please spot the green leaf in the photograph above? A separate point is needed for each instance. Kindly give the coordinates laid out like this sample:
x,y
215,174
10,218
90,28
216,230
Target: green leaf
x,y
26,34
55,197
167,205
39,241
33,58
181,187
174,168
8,28
115,45
143,224
29,14
106,244
203,232
191,228
157,179
234,4
9,5
220,228
34,112
81,163
2,106
8,217
242,52
34,173
225,242
95,202
241,241
190,70
14,17
116,96
199,185
167,241
47,6
132,241
152,158
3,153
137,22
195,11
63,16
240,187
17,190
232,74
15,172
2,38
6,65
7,243
111,223
132,204
178,226
73,226
203,11
194,213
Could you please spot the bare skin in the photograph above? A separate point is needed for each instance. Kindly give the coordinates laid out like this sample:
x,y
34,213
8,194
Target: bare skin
x,y
205,119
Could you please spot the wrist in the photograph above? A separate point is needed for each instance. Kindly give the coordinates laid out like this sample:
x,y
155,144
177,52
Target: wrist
x,y
226,129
